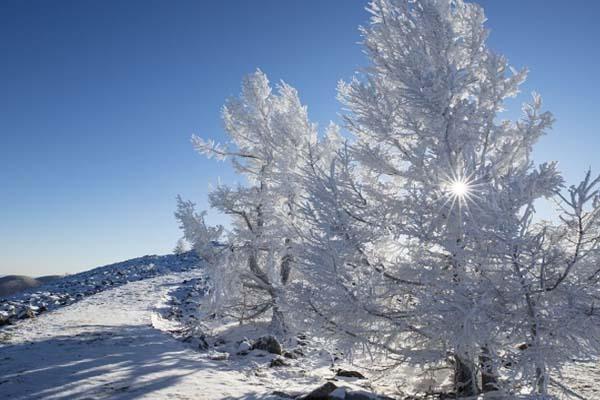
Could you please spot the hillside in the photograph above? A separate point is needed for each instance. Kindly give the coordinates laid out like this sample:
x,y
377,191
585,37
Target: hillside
x,y
46,294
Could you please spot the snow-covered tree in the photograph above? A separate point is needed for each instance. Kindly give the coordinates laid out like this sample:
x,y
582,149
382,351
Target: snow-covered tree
x,y
269,134
181,247
203,239
417,237
420,237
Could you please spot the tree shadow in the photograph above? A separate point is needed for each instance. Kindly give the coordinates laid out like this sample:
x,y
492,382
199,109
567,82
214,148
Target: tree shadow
x,y
124,362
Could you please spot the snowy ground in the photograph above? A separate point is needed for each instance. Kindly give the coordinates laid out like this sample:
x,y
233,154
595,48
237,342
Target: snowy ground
x,y
119,344
583,379
106,347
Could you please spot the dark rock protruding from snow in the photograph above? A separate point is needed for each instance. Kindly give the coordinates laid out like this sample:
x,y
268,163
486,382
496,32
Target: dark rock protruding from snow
x,y
198,342
290,354
320,393
278,362
363,395
268,344
349,374
329,391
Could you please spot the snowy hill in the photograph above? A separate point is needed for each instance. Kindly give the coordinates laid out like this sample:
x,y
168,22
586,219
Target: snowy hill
x,y
46,294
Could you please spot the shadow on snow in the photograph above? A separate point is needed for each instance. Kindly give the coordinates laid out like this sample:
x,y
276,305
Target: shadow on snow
x,y
124,362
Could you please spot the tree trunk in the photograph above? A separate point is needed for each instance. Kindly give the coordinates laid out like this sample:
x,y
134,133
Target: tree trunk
x,y
540,379
278,326
464,377
286,263
489,379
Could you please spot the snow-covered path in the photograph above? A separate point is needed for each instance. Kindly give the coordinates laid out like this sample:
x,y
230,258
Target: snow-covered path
x,y
106,347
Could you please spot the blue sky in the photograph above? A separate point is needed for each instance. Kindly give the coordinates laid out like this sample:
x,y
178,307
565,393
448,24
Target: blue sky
x,y
98,101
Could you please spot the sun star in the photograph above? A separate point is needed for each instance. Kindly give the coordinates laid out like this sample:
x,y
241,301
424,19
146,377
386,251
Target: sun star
x,y
459,188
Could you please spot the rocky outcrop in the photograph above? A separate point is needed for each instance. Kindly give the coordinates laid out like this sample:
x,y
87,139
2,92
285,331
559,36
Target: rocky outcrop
x,y
330,391
268,344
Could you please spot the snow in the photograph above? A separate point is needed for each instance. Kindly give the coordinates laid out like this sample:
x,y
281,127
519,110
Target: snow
x,y
105,346
126,343
72,288
140,340
583,379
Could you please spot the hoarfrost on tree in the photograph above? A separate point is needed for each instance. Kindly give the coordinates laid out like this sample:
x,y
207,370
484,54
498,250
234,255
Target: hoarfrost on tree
x,y
424,224
415,235
269,132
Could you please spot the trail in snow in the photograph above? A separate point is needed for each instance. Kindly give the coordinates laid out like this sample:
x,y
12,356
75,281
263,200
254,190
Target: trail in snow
x,y
106,347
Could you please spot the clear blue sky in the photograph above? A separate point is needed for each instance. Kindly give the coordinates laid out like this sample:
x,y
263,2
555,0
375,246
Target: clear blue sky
x,y
98,100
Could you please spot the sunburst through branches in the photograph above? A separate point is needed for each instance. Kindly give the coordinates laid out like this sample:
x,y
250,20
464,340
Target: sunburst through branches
x,y
459,190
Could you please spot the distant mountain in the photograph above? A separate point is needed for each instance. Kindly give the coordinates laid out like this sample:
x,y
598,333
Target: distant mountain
x,y
11,284
48,278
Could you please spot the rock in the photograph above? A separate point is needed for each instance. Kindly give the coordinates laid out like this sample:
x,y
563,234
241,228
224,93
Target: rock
x,y
523,346
338,394
196,338
278,362
283,395
26,312
364,395
290,355
320,393
268,344
4,318
244,347
349,374
260,374
330,391
202,344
